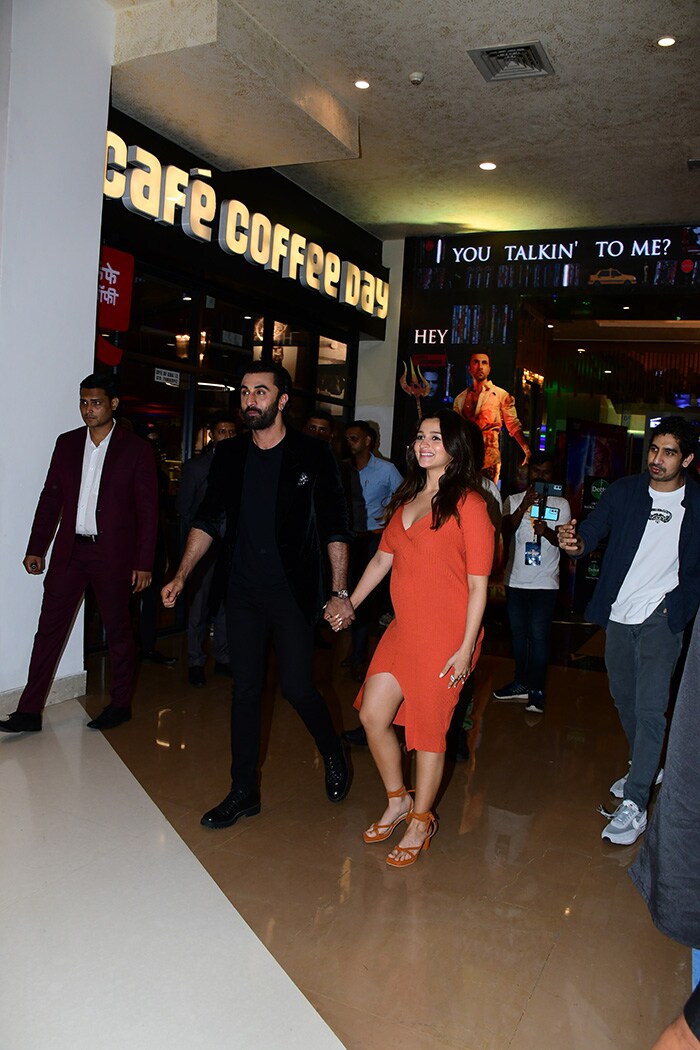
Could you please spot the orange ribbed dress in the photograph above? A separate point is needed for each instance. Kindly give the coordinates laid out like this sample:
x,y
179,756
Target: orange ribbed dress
x,y
430,596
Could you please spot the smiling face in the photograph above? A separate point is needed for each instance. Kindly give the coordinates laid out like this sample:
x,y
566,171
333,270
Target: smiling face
x,y
665,463
429,449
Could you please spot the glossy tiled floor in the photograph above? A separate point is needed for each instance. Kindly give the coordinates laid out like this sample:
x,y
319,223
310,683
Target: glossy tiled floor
x,y
518,930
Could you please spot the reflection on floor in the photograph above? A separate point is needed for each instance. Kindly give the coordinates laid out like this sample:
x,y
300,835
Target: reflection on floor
x,y
518,930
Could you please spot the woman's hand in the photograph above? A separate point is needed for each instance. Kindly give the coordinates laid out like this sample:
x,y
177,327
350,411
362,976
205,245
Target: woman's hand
x,y
460,662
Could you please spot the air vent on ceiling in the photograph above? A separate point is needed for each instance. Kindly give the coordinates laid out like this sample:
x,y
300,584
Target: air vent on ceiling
x,y
511,61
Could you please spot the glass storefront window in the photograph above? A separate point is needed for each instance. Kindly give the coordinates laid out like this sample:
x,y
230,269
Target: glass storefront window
x,y
332,368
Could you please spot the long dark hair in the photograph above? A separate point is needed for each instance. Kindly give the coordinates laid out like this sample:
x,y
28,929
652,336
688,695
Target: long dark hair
x,y
459,478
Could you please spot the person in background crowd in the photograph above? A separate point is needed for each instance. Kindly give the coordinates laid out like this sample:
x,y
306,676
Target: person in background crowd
x,y
319,425
439,545
371,482
101,493
280,494
490,407
149,599
531,580
193,486
647,593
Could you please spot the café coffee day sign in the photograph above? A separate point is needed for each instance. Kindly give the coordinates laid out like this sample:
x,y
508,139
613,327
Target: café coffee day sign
x,y
169,195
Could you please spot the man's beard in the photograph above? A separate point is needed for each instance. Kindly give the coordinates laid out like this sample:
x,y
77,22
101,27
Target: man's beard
x,y
261,419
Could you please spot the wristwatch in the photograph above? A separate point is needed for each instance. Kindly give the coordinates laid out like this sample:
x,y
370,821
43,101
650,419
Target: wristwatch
x,y
340,594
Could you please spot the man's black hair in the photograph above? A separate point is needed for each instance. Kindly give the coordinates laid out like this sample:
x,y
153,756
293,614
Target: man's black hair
x,y
682,430
101,381
223,417
320,413
538,459
282,378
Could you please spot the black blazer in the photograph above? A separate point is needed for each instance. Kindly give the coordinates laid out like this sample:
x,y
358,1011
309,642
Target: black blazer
x,y
311,509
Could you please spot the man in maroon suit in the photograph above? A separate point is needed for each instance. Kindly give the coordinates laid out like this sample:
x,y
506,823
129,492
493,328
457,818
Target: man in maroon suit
x,y
101,491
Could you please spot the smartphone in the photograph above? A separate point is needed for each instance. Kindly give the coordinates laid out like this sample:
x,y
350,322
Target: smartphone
x,y
550,513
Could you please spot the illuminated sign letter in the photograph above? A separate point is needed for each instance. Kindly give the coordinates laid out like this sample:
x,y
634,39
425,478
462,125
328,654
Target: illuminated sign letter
x,y
280,244
199,210
367,293
142,194
172,194
295,257
310,276
259,239
331,276
350,276
115,164
233,227
382,296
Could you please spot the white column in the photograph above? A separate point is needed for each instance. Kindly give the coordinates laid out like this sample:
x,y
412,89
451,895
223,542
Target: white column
x,y
55,62
376,369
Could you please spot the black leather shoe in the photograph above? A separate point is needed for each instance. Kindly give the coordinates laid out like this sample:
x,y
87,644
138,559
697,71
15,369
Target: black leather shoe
x,y
356,737
222,668
110,718
196,677
19,722
152,656
237,804
337,776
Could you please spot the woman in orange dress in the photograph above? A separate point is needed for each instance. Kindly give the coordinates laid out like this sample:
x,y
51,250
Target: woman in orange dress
x,y
439,545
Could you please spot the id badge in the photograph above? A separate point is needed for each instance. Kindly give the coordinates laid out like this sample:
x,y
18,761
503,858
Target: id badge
x,y
533,554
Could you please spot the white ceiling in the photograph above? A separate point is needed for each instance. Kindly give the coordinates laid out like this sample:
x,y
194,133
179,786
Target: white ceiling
x,y
270,83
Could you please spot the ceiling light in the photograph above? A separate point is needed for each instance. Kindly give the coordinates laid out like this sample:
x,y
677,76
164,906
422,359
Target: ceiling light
x,y
581,350
608,371
487,165
625,307
666,41
186,297
550,326
362,84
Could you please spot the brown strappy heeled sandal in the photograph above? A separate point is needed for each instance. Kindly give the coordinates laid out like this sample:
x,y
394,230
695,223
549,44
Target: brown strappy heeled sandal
x,y
379,832
413,851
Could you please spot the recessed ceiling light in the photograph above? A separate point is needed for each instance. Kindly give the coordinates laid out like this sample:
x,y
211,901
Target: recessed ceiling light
x,y
487,165
581,350
362,84
666,41
186,297
550,326
625,307
608,371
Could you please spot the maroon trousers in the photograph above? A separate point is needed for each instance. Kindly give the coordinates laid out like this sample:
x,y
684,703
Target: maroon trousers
x,y
63,591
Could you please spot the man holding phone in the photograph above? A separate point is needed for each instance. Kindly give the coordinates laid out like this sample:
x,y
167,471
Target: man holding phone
x,y
532,579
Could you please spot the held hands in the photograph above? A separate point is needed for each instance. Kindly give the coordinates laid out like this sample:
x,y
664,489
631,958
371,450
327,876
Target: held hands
x,y
34,564
172,591
339,613
460,662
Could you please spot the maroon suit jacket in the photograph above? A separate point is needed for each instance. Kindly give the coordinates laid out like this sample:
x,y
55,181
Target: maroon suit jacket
x,y
127,505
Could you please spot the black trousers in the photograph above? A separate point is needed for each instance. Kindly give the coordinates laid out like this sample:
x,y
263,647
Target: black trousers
x,y
252,618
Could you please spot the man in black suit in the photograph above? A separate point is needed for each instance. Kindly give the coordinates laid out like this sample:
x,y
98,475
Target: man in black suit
x,y
193,486
280,496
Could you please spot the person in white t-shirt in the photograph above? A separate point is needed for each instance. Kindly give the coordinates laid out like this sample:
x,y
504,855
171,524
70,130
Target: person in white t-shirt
x,y
647,593
531,578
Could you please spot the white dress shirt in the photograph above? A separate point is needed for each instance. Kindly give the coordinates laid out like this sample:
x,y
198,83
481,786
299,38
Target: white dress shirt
x,y
93,462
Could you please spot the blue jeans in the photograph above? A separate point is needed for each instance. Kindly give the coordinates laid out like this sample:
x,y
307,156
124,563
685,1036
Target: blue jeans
x,y
530,613
640,659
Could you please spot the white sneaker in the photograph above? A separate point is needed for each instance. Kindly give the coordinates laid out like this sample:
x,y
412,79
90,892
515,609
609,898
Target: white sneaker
x,y
618,788
627,825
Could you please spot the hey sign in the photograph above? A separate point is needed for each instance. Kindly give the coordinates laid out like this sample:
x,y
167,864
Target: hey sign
x,y
114,285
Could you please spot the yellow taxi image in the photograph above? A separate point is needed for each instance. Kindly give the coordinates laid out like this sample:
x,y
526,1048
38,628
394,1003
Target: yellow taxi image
x,y
612,277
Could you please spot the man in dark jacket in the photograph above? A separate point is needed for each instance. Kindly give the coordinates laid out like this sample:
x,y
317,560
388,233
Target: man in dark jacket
x,y
648,591
101,494
190,494
280,496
